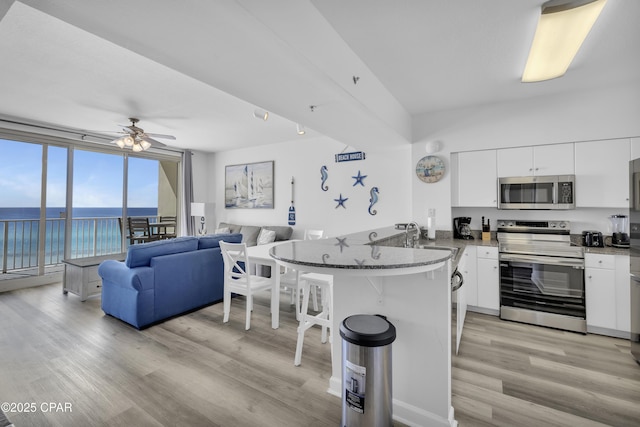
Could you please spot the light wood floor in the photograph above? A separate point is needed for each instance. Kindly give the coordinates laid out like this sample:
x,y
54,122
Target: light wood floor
x,y
195,371
512,374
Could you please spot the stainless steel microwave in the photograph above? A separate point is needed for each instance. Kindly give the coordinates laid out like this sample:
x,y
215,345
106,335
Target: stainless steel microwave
x,y
537,192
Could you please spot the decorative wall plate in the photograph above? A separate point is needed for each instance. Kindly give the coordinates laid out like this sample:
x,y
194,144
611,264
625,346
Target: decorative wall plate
x,y
430,169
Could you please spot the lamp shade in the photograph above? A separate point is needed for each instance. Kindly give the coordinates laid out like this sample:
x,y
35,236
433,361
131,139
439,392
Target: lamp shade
x,y
197,209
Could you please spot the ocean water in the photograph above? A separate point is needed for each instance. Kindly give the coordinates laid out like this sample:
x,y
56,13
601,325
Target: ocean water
x,y
34,213
95,231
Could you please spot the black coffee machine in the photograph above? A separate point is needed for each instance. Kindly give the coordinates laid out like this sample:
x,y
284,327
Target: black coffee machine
x,y
461,228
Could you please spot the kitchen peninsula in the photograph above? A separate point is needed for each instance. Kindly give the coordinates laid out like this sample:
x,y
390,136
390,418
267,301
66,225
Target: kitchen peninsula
x,y
374,274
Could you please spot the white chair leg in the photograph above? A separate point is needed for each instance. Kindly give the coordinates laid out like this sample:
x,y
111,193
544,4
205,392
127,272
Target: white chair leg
x,y
297,292
324,314
315,296
227,306
302,324
247,324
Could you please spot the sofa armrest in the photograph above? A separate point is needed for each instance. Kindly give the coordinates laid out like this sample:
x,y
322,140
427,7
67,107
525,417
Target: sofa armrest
x,y
117,273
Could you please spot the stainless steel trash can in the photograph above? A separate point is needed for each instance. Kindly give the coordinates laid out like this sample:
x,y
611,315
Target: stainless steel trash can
x,y
366,371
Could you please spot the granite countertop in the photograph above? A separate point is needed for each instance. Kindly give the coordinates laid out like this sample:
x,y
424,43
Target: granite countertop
x,y
369,250
382,249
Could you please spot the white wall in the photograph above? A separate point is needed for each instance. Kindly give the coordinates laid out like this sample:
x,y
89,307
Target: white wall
x,y
595,115
598,114
302,158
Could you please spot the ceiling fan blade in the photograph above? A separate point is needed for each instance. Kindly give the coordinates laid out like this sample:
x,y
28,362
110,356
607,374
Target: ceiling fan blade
x,y
159,135
152,141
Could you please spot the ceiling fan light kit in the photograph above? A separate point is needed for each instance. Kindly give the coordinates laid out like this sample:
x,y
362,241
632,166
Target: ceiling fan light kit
x,y
562,27
137,139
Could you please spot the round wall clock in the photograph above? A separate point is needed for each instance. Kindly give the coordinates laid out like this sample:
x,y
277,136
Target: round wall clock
x,y
430,169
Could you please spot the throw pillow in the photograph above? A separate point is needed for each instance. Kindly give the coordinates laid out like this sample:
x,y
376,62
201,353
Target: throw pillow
x,y
222,230
266,236
250,234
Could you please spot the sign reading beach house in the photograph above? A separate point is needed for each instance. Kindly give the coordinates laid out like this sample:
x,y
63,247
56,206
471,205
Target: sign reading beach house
x,y
346,157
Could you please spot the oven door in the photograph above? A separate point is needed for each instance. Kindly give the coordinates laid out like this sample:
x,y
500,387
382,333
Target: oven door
x,y
543,283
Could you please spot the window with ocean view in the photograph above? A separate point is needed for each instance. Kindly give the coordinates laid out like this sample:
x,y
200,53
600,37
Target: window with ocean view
x,y
34,193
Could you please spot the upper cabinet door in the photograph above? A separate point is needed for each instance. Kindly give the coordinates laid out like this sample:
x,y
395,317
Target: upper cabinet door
x,y
556,159
602,173
515,161
635,148
477,179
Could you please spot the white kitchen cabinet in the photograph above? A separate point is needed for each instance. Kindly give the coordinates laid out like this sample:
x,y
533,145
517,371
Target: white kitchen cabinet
x,y
607,293
635,148
556,159
602,173
488,278
477,181
467,266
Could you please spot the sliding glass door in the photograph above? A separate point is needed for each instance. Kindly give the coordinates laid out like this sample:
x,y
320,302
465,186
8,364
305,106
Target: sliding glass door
x,y
68,200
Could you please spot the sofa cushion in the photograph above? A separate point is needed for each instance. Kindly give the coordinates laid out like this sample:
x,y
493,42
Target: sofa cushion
x,y
266,236
213,240
250,234
233,228
283,232
140,255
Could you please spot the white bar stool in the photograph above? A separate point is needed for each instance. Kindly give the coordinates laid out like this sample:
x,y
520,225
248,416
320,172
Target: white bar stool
x,y
325,283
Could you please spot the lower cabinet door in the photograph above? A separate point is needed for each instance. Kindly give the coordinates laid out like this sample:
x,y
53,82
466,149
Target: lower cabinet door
x,y
488,284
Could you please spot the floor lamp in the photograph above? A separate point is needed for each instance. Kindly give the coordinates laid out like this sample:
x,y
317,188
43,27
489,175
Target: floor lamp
x,y
197,209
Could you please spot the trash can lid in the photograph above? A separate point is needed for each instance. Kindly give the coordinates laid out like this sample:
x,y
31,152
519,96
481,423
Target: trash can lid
x,y
367,330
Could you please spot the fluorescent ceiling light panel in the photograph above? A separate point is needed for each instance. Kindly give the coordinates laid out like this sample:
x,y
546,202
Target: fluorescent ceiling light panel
x,y
561,30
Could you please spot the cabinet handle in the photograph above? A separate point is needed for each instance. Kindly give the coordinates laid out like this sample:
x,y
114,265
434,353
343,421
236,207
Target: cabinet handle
x,y
600,261
589,277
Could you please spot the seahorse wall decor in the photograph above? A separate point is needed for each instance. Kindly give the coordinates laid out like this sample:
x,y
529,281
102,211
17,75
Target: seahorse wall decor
x,y
325,175
373,200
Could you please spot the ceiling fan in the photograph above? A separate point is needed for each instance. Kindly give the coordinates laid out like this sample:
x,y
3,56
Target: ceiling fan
x,y
137,139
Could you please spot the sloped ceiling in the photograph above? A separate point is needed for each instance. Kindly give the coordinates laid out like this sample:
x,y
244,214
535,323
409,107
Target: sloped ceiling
x,y
198,70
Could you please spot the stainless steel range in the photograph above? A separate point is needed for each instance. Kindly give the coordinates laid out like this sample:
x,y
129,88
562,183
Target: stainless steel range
x,y
541,274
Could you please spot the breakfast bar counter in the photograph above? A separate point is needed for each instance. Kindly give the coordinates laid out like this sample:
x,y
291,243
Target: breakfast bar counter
x,y
374,274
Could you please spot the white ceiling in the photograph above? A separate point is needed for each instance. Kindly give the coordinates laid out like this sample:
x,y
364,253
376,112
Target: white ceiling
x,y
198,70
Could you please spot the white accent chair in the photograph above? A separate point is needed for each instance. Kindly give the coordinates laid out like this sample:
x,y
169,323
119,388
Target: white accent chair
x,y
238,280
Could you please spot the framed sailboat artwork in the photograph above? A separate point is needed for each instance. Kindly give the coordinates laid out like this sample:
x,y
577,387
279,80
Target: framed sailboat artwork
x,y
249,186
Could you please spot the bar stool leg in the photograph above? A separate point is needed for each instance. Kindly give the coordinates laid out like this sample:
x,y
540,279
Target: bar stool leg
x,y
303,326
323,319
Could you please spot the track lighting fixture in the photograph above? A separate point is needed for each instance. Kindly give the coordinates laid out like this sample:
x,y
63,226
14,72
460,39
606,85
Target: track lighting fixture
x,y
261,114
300,129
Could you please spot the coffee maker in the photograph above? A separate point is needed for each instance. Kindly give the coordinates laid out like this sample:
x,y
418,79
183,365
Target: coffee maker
x,y
461,228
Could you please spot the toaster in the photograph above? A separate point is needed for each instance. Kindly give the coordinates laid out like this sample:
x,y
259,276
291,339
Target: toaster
x,y
592,238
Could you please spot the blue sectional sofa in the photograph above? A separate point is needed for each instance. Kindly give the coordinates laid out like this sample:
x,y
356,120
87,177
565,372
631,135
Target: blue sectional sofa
x,y
162,279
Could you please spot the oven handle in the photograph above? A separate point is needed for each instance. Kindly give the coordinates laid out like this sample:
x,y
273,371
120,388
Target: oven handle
x,y
537,259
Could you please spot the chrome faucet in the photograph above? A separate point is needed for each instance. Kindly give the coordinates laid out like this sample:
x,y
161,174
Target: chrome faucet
x,y
416,235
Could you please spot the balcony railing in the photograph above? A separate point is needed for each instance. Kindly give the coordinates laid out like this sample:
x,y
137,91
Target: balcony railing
x,y
89,237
